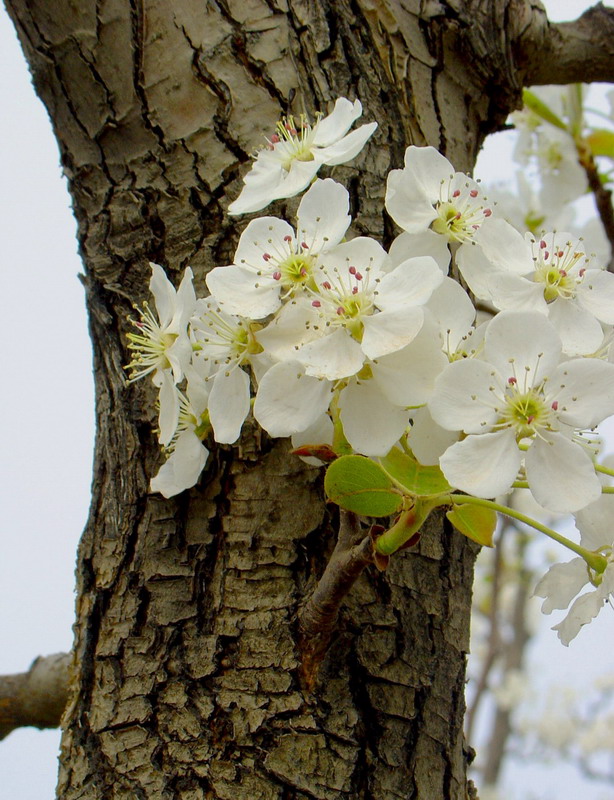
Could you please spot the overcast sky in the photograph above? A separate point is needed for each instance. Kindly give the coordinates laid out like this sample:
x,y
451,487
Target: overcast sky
x,y
46,428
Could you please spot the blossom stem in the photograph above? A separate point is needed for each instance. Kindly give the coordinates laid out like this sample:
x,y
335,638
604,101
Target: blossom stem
x,y
409,522
604,470
595,561
341,446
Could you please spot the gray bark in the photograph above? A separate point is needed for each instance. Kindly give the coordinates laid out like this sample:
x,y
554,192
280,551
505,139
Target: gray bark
x,y
186,680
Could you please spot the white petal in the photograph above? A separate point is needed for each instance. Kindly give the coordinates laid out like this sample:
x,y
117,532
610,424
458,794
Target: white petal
x,y
321,432
522,344
179,355
185,302
362,252
485,465
427,168
595,523
260,184
426,243
370,423
596,294
389,331
295,325
288,401
561,475
584,389
427,439
347,148
463,399
229,402
504,247
454,312
583,611
183,468
168,416
335,356
323,215
408,205
264,235
475,268
332,127
508,291
163,293
240,291
411,283
580,332
561,584
269,181
197,390
407,377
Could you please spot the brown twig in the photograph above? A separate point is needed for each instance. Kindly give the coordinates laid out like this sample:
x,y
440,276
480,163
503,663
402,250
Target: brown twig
x,y
318,617
603,198
36,697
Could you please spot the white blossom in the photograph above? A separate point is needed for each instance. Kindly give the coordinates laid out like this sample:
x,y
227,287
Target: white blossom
x,y
186,454
273,262
553,275
297,150
357,311
519,392
162,343
564,581
224,343
428,193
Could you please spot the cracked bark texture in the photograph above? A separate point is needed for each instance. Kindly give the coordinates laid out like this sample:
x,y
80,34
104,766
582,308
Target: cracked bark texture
x,y
185,680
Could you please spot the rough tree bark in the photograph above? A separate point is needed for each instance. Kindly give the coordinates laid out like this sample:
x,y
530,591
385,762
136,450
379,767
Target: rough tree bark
x,y
186,676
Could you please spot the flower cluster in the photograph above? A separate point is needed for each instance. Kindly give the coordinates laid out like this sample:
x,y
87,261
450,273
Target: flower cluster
x,y
331,339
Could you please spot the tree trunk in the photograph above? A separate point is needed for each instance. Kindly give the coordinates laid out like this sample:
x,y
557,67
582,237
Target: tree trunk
x,y
186,680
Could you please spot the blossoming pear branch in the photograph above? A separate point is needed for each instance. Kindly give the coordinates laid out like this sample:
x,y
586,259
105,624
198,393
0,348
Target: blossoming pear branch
x,y
374,361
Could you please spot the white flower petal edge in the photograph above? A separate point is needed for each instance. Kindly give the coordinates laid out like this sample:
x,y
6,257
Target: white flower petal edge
x,y
183,467
561,584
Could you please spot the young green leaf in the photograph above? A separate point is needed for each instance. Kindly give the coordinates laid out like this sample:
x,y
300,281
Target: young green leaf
x,y
475,522
358,484
416,478
601,142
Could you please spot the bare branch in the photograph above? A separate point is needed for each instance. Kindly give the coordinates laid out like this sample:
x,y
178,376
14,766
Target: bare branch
x,y
603,198
352,553
36,697
514,658
494,637
568,52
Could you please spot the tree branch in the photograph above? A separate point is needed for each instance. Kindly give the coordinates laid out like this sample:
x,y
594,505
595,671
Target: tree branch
x,y
318,617
581,51
36,697
603,198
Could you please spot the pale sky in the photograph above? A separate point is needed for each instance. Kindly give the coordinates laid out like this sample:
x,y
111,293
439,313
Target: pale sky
x,y
46,429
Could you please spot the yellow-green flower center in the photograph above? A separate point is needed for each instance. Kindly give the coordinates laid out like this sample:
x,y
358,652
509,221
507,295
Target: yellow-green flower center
x,y
526,411
296,269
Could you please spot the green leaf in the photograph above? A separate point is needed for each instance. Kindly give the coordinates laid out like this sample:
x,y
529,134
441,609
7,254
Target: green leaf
x,y
416,478
537,106
474,522
601,142
358,484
